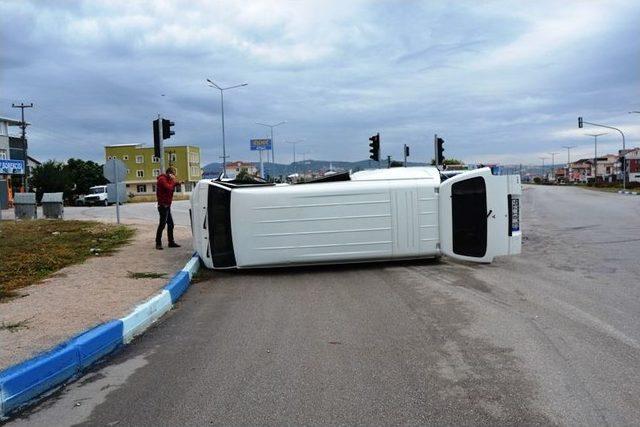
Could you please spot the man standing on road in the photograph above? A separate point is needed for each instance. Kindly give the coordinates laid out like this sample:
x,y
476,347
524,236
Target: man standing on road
x,y
165,186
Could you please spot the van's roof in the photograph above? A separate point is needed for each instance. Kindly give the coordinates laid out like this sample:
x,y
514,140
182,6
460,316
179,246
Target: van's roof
x,y
414,172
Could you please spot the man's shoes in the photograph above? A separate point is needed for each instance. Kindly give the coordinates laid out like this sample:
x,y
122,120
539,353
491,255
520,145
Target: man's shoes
x,y
174,245
159,247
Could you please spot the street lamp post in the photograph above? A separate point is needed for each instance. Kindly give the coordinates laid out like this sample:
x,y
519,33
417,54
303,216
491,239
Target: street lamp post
x,y
595,154
294,152
543,159
624,160
273,156
553,165
224,145
568,147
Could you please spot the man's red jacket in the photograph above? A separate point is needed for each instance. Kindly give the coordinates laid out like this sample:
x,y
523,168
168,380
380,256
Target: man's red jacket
x,y
164,189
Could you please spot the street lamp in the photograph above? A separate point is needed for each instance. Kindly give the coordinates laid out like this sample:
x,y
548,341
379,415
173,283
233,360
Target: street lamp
x,y
595,153
624,160
568,147
273,156
294,151
553,165
224,145
543,159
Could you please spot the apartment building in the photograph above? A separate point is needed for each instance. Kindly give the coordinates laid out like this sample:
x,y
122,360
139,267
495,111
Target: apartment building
x,y
234,168
143,167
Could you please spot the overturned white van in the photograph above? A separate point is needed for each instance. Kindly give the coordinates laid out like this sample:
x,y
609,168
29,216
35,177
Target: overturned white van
x,y
373,215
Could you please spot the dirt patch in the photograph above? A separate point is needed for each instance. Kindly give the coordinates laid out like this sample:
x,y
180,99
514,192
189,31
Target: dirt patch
x,y
83,295
33,250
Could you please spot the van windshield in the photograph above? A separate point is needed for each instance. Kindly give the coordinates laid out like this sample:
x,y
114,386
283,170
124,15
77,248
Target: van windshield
x,y
96,190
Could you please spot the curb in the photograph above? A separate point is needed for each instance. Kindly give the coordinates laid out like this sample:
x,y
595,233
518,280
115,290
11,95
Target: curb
x,y
633,193
22,383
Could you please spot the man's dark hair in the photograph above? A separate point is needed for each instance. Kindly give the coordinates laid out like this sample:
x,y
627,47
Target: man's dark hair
x,y
171,170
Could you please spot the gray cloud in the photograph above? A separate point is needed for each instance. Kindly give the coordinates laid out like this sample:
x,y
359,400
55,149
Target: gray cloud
x,y
497,82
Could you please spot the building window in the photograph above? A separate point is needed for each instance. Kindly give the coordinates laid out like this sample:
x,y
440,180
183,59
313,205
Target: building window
x,y
3,154
140,173
156,172
173,157
125,157
141,188
155,159
139,159
193,157
153,188
194,171
128,171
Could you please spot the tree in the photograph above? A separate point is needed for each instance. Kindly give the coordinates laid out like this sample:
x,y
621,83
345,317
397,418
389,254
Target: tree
x,y
448,162
84,175
51,177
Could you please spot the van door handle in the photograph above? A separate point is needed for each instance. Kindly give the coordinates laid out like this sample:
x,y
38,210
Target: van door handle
x,y
489,214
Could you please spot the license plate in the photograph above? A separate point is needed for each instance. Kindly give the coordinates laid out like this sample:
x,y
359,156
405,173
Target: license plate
x,y
515,214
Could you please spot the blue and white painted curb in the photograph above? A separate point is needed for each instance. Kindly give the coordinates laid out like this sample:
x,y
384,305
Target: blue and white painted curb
x,y
22,383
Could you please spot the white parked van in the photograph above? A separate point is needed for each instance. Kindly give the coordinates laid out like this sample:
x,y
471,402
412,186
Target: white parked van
x,y
383,214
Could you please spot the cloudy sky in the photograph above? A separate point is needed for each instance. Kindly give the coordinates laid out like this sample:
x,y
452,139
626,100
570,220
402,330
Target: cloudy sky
x,y
500,81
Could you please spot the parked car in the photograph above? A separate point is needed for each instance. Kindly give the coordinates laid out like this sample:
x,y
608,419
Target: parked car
x,y
97,196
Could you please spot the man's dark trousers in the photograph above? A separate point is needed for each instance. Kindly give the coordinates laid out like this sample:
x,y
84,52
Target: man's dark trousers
x,y
165,219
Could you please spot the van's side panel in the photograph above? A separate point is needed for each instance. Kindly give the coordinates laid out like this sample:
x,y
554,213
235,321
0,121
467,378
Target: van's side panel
x,y
428,219
314,223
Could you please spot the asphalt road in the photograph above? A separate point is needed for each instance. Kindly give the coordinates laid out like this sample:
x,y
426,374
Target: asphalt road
x,y
548,337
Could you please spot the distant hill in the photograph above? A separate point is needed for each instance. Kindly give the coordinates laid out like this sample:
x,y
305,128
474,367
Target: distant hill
x,y
213,169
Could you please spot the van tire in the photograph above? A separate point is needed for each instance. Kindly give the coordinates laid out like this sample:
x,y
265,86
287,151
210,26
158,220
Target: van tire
x,y
106,203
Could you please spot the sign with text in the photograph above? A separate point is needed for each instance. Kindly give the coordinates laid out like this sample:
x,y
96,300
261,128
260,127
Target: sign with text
x,y
260,144
11,167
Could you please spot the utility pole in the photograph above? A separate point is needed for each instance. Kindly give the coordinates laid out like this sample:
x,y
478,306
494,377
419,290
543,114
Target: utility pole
x,y
23,126
388,162
553,165
595,154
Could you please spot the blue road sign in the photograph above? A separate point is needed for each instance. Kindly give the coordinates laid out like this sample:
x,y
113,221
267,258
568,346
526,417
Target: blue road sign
x,y
260,144
12,167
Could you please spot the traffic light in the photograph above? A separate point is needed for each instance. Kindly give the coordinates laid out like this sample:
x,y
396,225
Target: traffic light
x,y
580,122
157,150
406,151
439,151
374,147
166,129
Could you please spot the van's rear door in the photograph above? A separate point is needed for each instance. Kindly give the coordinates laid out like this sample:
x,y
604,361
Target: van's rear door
x,y
479,216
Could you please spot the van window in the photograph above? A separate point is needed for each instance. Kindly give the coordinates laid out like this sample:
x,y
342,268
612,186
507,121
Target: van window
x,y
469,211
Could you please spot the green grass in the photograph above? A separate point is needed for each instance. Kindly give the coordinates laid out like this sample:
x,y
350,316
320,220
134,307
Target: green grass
x,y
145,275
33,250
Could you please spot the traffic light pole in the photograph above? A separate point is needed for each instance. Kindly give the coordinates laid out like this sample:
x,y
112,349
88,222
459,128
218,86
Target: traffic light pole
x,y
405,155
435,150
162,168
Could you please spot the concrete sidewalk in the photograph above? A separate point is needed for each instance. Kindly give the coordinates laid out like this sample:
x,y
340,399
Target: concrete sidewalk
x,y
84,295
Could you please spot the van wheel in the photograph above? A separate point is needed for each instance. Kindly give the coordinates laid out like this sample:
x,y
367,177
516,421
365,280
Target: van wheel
x,y
106,203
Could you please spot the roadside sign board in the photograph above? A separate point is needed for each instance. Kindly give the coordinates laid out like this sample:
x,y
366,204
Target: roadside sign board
x,y
115,170
11,167
119,194
260,144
